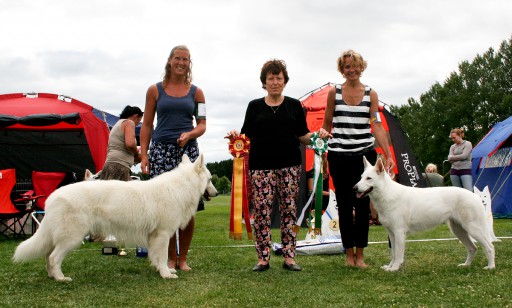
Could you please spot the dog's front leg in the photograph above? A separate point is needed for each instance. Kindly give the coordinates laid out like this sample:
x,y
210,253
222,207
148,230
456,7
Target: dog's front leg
x,y
391,238
397,251
158,250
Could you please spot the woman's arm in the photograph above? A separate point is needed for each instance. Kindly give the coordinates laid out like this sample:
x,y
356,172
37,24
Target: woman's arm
x,y
378,131
147,126
325,131
200,128
466,151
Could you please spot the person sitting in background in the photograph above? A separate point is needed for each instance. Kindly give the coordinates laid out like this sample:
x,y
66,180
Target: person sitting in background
x,y
432,176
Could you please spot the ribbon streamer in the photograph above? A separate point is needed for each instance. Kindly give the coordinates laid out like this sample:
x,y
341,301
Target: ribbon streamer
x,y
239,148
319,146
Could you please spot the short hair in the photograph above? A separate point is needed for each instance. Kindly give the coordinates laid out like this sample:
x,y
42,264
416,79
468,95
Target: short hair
x,y
274,67
431,168
128,111
356,58
458,131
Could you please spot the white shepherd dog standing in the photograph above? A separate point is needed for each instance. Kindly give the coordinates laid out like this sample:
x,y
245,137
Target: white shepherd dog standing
x,y
145,213
403,210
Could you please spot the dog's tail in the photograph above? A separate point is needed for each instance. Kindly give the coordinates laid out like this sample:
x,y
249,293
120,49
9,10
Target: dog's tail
x,y
39,245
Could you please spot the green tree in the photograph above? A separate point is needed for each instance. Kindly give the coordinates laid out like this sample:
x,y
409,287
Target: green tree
x,y
224,185
474,98
222,168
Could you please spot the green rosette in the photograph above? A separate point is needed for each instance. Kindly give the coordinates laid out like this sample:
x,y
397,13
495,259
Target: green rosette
x,y
318,144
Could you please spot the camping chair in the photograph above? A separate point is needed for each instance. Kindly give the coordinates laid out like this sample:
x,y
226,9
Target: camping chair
x,y
44,184
13,219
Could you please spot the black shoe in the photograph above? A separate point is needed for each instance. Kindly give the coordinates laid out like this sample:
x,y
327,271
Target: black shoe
x,y
261,267
292,267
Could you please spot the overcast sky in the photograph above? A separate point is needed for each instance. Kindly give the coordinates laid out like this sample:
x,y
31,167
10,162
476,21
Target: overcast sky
x,y
107,53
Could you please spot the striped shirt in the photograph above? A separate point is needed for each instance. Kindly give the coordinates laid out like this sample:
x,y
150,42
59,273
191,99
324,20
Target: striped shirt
x,y
351,130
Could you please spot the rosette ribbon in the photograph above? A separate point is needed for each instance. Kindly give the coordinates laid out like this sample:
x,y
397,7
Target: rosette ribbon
x,y
239,148
319,146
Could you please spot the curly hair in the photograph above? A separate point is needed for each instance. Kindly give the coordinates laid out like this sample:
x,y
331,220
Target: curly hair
x,y
167,75
273,67
356,58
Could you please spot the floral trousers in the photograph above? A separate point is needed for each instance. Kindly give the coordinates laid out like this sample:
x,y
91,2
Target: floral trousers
x,y
266,185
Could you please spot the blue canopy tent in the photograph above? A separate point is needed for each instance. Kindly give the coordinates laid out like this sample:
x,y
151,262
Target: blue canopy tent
x,y
492,167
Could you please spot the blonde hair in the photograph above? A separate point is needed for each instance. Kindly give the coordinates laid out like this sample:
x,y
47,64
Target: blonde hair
x,y
356,58
458,131
167,76
431,168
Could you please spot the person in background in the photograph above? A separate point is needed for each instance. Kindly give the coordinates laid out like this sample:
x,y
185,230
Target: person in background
x,y
275,125
432,176
176,102
351,111
460,158
122,152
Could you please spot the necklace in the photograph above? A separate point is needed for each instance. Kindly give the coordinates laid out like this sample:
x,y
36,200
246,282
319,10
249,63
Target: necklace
x,y
277,106
274,110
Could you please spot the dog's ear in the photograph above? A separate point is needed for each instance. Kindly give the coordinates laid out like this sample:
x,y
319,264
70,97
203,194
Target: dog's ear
x,y
201,159
379,166
366,162
185,159
199,163
88,174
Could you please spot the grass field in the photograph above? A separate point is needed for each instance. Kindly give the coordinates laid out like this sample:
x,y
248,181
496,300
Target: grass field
x,y
222,276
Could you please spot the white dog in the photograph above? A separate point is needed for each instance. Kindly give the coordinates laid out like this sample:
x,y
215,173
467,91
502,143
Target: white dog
x,y
146,213
403,209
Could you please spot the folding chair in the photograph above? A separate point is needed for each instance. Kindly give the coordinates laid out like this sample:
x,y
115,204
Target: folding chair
x,y
12,219
44,184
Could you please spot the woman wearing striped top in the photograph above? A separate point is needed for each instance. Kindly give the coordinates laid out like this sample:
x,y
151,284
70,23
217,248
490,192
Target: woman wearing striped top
x,y
351,112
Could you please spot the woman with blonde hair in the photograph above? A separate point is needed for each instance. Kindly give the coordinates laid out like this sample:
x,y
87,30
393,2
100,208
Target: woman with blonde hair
x,y
176,102
460,158
350,115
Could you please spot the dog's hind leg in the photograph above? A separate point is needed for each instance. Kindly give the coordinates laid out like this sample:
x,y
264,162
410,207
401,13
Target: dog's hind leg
x,y
54,260
158,246
465,239
480,233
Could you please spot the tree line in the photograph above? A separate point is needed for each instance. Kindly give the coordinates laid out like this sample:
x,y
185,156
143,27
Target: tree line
x,y
221,175
474,98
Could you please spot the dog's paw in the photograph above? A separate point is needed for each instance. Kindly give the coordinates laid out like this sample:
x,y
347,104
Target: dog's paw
x,y
390,268
490,268
173,270
170,276
64,279
385,267
464,265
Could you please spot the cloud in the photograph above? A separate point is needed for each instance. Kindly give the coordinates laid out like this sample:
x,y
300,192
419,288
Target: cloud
x,y
107,53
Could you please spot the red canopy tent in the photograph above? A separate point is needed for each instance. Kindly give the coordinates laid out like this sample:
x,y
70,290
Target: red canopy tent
x,y
409,172
49,132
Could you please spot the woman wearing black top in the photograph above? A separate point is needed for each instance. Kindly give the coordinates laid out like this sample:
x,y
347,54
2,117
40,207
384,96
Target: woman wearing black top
x,y
275,125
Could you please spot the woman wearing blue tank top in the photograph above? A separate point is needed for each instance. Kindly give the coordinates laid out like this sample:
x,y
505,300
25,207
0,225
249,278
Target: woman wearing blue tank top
x,y
351,111
176,102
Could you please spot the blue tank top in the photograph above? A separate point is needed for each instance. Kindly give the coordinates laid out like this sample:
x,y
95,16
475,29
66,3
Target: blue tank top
x,y
175,116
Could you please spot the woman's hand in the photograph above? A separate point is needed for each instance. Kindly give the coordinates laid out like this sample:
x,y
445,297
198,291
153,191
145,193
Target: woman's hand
x,y
322,133
144,163
183,139
232,134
